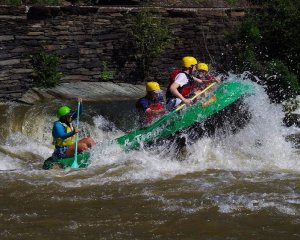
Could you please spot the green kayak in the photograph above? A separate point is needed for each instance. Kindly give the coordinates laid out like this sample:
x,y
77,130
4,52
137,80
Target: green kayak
x,y
220,96
83,160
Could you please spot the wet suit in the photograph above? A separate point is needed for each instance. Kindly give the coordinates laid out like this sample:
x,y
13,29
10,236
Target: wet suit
x,y
63,136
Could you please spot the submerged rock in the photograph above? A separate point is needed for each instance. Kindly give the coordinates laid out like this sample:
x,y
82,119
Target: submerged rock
x,y
89,91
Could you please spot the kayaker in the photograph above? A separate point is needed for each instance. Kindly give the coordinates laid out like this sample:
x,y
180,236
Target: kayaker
x,y
152,105
183,84
63,134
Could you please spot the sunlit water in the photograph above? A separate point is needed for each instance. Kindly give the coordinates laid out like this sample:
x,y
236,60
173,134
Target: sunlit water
x,y
227,186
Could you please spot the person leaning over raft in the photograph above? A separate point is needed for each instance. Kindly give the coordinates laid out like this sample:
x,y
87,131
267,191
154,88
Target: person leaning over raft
x,y
183,85
152,105
63,134
203,74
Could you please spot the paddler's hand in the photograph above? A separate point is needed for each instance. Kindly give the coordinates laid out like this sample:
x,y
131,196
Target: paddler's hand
x,y
79,99
217,80
76,130
187,101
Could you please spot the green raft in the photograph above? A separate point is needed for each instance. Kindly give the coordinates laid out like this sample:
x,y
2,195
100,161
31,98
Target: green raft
x,y
220,96
83,160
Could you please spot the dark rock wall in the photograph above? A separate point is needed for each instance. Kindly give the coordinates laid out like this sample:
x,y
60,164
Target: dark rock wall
x,y
85,37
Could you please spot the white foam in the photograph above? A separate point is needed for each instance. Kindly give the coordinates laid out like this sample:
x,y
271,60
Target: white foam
x,y
8,163
261,145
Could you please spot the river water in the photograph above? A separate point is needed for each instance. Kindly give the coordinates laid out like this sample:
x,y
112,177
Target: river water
x,y
227,186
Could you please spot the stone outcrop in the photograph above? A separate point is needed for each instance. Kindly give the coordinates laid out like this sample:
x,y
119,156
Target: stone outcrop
x,y
89,91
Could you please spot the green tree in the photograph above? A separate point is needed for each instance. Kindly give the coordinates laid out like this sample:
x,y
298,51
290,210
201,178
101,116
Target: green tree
x,y
45,69
105,74
267,44
280,23
150,37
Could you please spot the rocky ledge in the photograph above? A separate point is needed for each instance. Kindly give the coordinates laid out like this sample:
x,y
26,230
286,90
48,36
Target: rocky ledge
x,y
89,91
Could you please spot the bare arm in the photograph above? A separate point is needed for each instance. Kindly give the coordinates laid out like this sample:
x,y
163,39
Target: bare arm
x,y
176,93
199,80
155,112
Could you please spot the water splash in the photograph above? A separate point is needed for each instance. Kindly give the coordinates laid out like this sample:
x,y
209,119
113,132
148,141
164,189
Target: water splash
x,y
260,145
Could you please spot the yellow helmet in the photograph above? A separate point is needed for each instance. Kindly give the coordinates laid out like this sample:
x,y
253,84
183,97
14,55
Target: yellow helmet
x,y
188,61
202,66
152,86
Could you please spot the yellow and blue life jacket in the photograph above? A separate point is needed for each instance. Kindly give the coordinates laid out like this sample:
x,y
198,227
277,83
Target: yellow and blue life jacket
x,y
59,142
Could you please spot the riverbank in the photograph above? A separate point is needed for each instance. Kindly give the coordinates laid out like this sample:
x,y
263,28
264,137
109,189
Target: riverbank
x,y
89,91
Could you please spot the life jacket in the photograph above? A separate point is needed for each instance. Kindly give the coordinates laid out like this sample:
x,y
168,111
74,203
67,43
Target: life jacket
x,y
184,90
153,106
172,77
148,116
209,77
59,142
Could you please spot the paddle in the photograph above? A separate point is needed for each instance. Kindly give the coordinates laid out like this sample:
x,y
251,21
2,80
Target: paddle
x,y
197,94
75,164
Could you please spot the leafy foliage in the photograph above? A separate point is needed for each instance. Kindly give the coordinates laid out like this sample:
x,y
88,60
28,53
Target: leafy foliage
x,y
150,37
290,105
105,74
281,31
45,69
268,45
281,83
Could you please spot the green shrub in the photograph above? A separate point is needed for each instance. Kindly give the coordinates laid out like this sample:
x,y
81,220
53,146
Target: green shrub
x,y
290,105
106,75
282,84
248,61
45,69
249,33
267,44
150,36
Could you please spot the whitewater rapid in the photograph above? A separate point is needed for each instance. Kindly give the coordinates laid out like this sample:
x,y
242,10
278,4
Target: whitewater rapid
x,y
259,146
